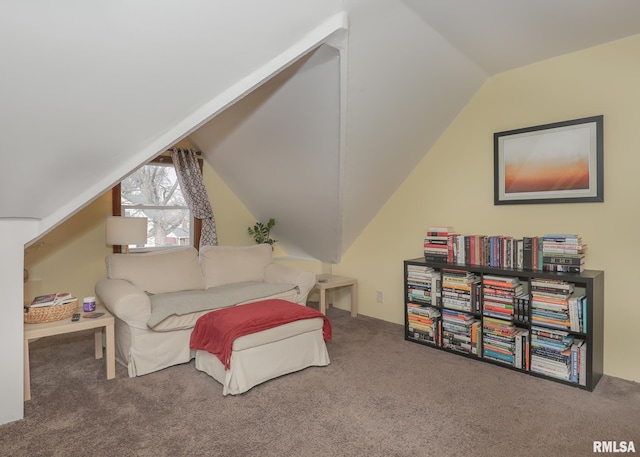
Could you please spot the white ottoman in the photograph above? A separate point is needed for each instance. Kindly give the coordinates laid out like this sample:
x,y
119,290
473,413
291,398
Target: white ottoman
x,y
267,354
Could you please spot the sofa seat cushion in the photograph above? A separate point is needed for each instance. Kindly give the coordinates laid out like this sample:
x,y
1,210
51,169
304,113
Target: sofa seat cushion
x,y
157,272
167,308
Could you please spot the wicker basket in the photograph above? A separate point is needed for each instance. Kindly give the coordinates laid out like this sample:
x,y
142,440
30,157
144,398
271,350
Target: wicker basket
x,y
49,313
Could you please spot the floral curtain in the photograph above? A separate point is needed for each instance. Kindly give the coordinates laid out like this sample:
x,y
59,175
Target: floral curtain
x,y
192,185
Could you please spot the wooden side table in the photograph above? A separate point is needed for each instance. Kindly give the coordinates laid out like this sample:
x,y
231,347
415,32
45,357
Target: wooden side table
x,y
103,325
326,282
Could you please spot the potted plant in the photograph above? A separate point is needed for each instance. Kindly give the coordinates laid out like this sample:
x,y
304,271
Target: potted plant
x,y
261,232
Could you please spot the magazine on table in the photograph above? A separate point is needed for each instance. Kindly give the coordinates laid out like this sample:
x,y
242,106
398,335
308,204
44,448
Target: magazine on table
x,y
42,301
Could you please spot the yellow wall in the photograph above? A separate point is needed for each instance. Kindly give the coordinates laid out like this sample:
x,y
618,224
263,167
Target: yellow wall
x,y
232,218
453,185
70,258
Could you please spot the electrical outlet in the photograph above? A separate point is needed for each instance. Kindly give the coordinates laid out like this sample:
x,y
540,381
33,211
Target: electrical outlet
x,y
379,296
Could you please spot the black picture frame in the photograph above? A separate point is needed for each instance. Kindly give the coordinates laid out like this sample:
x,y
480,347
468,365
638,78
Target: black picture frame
x,y
560,162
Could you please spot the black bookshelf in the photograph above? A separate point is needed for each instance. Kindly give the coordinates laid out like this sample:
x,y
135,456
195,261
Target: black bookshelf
x,y
591,280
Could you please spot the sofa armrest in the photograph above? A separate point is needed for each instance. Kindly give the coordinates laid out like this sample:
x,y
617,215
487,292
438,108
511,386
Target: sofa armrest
x,y
287,274
124,300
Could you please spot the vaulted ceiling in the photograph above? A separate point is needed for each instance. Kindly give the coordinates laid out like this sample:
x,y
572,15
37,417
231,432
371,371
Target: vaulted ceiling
x,y
312,112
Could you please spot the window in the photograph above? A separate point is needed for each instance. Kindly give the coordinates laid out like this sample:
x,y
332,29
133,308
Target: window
x,y
153,191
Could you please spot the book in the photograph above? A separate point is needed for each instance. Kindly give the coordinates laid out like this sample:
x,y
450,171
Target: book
x,y
42,301
563,268
582,365
564,259
500,281
564,249
440,229
575,361
562,238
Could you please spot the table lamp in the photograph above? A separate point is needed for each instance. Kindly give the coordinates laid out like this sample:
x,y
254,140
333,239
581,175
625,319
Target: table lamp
x,y
123,231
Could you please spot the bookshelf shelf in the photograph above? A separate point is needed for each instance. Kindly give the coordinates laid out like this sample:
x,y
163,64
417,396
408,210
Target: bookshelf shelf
x,y
440,316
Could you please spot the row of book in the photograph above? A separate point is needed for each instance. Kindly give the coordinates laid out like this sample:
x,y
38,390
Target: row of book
x,y
554,303
544,351
493,339
553,252
550,302
549,352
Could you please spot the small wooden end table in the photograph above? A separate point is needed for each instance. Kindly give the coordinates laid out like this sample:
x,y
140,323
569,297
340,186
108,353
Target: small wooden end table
x,y
325,282
103,325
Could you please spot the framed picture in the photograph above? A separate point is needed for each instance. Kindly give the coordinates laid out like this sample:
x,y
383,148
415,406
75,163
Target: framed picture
x,y
551,163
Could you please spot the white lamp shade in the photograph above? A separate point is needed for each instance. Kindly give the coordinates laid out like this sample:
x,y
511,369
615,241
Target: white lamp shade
x,y
124,231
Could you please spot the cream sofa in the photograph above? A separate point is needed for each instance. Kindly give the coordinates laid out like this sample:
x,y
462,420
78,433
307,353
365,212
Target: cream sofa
x,y
157,297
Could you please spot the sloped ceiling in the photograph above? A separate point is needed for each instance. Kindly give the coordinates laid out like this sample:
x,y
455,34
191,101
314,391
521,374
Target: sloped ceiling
x,y
280,106
279,150
91,90
500,35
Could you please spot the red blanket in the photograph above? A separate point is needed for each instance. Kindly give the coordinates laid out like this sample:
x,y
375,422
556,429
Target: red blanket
x,y
216,331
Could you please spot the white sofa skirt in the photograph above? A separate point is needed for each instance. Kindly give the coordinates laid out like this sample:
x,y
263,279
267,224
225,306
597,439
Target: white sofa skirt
x,y
265,355
144,351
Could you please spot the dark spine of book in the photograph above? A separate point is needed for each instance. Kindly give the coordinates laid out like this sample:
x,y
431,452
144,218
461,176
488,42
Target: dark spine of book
x,y
485,251
563,268
563,260
467,249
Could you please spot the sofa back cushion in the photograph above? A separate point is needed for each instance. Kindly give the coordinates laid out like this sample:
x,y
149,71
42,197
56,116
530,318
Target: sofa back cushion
x,y
169,270
230,264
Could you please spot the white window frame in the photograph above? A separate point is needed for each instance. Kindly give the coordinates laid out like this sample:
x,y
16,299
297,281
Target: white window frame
x,y
119,209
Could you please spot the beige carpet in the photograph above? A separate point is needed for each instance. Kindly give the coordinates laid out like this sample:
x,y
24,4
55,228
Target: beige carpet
x,y
380,396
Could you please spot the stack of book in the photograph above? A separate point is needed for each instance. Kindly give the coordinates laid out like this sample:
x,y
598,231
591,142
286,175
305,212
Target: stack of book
x,y
550,302
551,353
460,332
499,296
423,285
458,290
499,342
436,244
563,253
423,323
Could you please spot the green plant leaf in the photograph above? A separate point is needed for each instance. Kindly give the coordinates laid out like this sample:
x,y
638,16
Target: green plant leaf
x,y
261,232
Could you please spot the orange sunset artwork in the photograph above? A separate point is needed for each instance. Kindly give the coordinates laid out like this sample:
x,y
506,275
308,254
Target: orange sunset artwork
x,y
553,162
